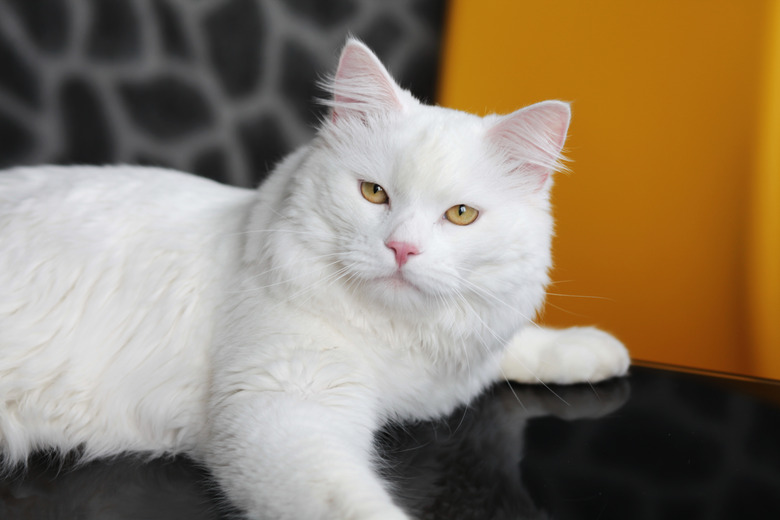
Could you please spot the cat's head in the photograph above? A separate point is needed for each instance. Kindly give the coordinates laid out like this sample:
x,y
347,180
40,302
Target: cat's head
x,y
419,208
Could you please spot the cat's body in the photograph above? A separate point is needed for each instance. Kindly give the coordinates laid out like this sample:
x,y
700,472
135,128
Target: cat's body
x,y
87,288
385,271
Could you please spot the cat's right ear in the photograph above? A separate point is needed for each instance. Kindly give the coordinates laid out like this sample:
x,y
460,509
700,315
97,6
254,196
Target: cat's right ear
x,y
362,86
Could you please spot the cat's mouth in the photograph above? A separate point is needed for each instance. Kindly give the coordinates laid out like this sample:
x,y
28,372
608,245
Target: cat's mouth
x,y
399,281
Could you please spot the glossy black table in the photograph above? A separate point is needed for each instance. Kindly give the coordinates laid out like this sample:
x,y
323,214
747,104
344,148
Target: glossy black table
x,y
660,444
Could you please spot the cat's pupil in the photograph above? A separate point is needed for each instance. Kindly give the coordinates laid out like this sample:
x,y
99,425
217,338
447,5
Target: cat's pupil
x,y
377,188
461,209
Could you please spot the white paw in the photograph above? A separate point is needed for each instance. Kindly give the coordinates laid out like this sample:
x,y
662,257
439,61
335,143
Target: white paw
x,y
390,515
582,354
565,356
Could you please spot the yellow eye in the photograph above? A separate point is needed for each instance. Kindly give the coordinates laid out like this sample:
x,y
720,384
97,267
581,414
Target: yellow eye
x,y
373,192
461,214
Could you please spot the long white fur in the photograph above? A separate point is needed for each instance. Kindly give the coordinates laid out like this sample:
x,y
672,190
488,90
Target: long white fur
x,y
271,333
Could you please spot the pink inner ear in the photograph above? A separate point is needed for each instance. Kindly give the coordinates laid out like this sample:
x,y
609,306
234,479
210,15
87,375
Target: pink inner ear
x,y
362,84
531,139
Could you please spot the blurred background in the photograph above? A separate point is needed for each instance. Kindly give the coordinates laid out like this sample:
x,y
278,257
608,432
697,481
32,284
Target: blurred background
x,y
668,228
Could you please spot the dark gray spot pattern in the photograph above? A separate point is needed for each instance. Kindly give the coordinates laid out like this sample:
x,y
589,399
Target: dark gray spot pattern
x,y
222,88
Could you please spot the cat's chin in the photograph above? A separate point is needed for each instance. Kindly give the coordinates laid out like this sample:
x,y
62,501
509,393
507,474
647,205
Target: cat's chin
x,y
396,290
398,281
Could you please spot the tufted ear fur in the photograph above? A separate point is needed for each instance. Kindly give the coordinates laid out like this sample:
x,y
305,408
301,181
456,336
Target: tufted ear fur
x,y
531,139
362,85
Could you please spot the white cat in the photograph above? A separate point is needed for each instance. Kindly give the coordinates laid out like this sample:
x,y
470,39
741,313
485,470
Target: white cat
x,y
389,270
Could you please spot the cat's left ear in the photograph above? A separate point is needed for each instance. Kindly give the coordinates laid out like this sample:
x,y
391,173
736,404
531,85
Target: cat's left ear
x,y
362,85
531,139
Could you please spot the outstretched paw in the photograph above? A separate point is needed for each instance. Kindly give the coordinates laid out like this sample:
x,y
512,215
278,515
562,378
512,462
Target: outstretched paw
x,y
573,355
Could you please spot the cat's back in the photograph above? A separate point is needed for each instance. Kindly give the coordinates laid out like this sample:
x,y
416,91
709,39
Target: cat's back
x,y
69,191
110,278
77,219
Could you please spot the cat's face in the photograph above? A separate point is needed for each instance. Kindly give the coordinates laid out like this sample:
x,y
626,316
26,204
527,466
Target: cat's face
x,y
424,214
425,207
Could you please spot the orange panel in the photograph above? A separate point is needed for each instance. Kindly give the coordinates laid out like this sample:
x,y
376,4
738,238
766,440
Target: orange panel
x,y
764,266
651,233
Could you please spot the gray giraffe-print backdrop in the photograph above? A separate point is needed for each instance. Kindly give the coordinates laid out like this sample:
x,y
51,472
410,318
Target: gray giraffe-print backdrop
x,y
221,88
224,88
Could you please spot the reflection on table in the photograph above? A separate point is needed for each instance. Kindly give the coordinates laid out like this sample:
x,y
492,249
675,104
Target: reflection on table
x,y
659,444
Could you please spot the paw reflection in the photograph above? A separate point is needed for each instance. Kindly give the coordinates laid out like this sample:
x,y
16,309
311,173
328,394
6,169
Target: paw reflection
x,y
467,466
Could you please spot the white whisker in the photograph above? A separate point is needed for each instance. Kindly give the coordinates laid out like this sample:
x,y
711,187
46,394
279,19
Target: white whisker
x,y
286,280
581,296
282,231
484,292
496,336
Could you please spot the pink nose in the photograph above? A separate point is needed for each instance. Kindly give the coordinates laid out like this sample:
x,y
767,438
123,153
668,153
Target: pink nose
x,y
402,251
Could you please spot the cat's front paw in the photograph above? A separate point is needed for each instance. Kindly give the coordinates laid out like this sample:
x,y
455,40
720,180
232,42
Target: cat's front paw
x,y
565,356
584,354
